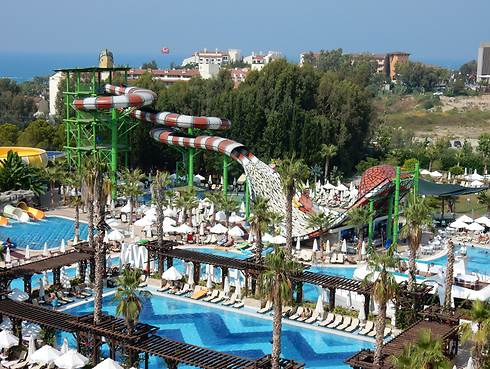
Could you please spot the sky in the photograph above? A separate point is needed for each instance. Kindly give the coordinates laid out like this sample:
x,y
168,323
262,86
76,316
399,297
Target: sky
x,y
442,32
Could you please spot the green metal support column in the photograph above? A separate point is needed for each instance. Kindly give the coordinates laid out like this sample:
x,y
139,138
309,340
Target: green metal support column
x,y
114,133
416,181
247,199
225,174
190,172
390,218
370,232
397,202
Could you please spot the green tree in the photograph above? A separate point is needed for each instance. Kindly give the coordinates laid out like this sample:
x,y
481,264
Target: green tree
x,y
9,134
258,220
484,146
321,222
358,217
316,171
479,314
38,134
383,289
484,198
129,297
15,175
132,188
366,164
229,204
426,352
468,71
187,201
292,172
327,152
162,180
416,212
277,286
150,65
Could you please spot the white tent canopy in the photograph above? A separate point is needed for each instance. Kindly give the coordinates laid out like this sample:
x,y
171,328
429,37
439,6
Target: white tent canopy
x,y
171,274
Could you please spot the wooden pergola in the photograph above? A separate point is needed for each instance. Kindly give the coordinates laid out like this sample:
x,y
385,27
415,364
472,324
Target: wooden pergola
x,y
27,270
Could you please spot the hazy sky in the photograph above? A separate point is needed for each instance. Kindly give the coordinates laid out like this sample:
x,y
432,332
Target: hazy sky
x,y
447,32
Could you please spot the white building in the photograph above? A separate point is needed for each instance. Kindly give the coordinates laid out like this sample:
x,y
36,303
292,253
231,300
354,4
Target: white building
x,y
213,57
54,82
483,66
259,61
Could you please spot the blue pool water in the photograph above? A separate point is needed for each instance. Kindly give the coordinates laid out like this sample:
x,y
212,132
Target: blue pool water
x,y
50,230
236,334
478,263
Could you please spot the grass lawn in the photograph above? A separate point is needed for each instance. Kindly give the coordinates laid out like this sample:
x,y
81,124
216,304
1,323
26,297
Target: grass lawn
x,y
463,206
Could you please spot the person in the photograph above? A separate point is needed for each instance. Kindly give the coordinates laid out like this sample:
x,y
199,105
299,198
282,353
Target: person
x,y
175,288
54,300
486,238
9,243
224,239
486,253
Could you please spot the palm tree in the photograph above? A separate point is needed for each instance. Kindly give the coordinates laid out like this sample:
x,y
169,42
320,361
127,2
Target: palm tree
x,y
417,215
129,297
459,156
479,314
52,173
76,180
383,288
484,198
277,286
187,200
229,204
327,152
449,275
292,171
320,221
316,171
102,187
132,188
162,180
425,353
216,199
358,217
274,220
258,220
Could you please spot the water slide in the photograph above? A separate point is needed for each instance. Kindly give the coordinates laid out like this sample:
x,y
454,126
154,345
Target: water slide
x,y
3,221
13,212
263,180
32,212
29,155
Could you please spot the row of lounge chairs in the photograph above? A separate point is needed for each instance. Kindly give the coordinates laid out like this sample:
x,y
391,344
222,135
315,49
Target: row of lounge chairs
x,y
215,297
63,296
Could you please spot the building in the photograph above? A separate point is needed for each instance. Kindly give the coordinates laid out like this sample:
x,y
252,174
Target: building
x,y
483,65
216,57
259,61
395,58
169,76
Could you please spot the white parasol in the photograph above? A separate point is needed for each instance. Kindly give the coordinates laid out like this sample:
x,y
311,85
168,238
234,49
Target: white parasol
x,y
45,250
8,340
108,364
315,245
45,355
226,287
71,360
483,220
126,208
171,274
218,228
279,240
298,244
64,346
209,283
41,288
236,232
18,295
8,258
236,219
143,222
45,279
87,276
169,212
170,221
63,246
191,275
465,218
168,228
328,249
344,246
319,305
32,346
27,253
183,228
116,234
475,227
363,248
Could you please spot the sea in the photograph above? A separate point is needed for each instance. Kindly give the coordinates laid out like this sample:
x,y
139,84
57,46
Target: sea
x,y
23,66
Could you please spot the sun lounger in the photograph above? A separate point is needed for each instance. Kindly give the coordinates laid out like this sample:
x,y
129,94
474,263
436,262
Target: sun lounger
x,y
82,292
164,288
367,328
298,313
314,317
239,304
353,325
183,290
387,332
61,297
340,258
241,246
221,296
333,260
266,308
199,294
286,311
337,321
329,319
346,323
20,361
213,295
232,300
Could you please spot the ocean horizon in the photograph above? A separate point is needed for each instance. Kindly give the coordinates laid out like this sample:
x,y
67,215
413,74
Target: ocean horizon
x,y
23,66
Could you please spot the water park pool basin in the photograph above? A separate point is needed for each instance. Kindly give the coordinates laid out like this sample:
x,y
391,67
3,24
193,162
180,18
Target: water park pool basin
x,y
29,155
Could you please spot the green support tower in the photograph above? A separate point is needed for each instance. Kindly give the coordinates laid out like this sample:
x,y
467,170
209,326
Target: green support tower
x,y
105,132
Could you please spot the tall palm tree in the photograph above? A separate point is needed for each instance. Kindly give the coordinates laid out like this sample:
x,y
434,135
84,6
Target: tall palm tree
x,y
416,211
277,286
383,288
292,171
449,275
274,220
129,297
358,217
132,188
76,180
327,152
479,314
316,171
425,353
52,173
102,187
216,199
229,204
258,220
187,201
320,221
162,180
484,198
459,156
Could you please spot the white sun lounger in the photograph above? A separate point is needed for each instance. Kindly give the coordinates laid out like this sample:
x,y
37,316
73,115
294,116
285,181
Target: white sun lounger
x,y
337,321
298,313
314,317
367,328
347,322
213,295
266,308
353,325
329,319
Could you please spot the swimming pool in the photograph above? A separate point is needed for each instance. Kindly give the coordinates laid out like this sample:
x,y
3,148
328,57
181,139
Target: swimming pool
x,y
237,334
50,230
478,263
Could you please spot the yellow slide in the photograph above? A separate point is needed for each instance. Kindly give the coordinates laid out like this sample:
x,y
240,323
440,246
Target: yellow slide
x,y
3,221
32,212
